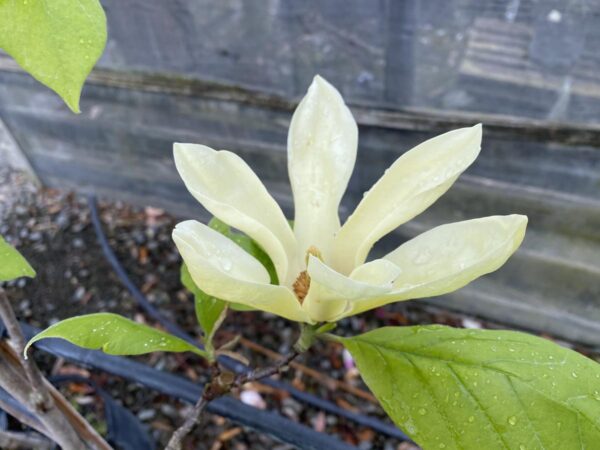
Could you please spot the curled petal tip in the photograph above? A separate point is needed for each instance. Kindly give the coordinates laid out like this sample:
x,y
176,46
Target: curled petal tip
x,y
321,84
319,79
178,147
520,220
183,226
476,131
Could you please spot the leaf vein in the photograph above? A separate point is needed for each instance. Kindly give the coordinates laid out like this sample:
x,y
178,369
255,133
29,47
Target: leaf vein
x,y
478,404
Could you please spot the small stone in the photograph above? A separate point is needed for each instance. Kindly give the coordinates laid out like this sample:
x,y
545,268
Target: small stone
x,y
79,293
146,414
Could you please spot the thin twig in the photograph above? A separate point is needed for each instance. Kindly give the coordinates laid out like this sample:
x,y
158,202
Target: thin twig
x,y
259,374
220,385
326,380
192,420
223,382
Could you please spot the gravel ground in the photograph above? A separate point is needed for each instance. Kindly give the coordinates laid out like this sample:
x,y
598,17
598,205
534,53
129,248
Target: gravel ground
x,y
53,231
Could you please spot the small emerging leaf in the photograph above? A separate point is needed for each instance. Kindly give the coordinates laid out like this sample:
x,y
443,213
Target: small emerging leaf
x,y
247,244
56,41
481,389
210,311
12,263
115,335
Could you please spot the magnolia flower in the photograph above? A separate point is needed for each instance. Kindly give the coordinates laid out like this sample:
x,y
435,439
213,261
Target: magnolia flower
x,y
320,264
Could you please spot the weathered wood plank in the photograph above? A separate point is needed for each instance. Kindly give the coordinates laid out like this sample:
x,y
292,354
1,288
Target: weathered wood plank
x,y
400,118
438,59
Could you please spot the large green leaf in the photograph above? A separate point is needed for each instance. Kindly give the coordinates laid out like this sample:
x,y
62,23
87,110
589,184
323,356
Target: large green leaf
x,y
210,311
115,335
56,41
12,264
476,389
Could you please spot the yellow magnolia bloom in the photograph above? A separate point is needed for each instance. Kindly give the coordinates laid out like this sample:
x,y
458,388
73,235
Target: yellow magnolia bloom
x,y
321,263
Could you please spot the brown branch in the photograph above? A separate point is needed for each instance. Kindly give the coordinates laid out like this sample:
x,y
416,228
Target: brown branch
x,y
23,418
81,426
54,423
23,380
85,430
40,397
23,441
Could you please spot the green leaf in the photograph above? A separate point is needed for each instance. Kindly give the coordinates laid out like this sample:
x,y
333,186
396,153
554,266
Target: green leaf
x,y
210,311
478,389
12,263
56,41
115,335
248,244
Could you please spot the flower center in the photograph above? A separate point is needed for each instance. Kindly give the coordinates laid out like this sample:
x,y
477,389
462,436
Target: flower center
x,y
302,283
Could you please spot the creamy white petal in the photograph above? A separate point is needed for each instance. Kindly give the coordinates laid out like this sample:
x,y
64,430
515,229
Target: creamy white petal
x,y
322,144
378,271
449,257
222,269
331,294
416,180
228,188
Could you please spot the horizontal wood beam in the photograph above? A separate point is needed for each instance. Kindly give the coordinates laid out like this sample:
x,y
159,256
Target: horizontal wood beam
x,y
371,115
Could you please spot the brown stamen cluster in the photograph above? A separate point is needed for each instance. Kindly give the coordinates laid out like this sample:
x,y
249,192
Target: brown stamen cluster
x,y
301,285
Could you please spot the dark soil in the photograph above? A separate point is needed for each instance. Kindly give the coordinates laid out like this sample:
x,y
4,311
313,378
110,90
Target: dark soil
x,y
53,230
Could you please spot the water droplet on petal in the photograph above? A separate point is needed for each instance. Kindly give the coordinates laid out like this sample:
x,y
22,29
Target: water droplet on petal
x,y
422,257
226,264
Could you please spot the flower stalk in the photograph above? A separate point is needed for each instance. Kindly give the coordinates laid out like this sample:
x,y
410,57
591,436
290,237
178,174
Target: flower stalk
x,y
223,382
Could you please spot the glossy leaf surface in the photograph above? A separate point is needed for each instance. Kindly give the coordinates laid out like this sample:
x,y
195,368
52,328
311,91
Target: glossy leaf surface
x,y
12,263
478,389
56,41
115,335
